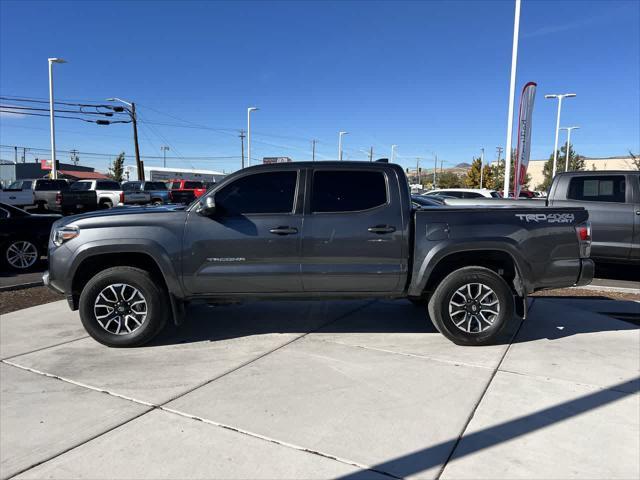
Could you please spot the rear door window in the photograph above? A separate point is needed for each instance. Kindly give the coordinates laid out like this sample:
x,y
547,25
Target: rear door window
x,y
609,188
148,186
107,185
80,186
192,185
347,190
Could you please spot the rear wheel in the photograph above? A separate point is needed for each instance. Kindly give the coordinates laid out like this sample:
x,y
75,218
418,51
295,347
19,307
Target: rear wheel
x,y
471,306
105,204
123,307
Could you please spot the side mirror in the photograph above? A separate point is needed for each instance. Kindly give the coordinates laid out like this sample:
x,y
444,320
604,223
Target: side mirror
x,y
208,207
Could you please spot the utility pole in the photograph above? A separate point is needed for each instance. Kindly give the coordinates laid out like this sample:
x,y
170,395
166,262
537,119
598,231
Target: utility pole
x,y
74,156
134,120
441,167
164,149
481,165
242,146
434,171
418,169
371,154
313,150
249,110
393,153
15,152
24,154
131,110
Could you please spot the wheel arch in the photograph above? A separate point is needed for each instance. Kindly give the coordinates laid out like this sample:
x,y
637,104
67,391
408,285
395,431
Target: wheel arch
x,y
95,257
439,264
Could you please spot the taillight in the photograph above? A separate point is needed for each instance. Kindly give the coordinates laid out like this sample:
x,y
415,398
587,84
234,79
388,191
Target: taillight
x,y
121,197
583,231
58,198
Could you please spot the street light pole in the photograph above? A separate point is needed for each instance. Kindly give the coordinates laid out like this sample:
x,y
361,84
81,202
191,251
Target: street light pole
x,y
340,134
164,149
249,110
54,167
560,97
313,150
393,153
134,122
481,165
512,92
568,147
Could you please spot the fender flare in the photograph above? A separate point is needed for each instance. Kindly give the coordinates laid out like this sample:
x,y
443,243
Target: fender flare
x,y
452,247
144,246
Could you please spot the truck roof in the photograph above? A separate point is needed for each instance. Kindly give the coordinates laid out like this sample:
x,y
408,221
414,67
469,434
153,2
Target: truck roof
x,y
349,164
600,172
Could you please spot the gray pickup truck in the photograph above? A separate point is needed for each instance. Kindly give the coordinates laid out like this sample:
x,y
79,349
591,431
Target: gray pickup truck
x,y
320,230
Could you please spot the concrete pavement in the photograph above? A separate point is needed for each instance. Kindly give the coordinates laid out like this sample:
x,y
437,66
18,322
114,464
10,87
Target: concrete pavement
x,y
324,390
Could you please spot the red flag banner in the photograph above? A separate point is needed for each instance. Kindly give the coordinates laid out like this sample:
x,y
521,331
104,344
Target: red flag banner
x,y
524,136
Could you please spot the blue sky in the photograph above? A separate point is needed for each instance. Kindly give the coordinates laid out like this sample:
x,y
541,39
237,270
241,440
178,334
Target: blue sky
x,y
429,76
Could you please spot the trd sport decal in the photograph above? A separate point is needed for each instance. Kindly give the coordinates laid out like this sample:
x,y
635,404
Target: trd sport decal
x,y
546,217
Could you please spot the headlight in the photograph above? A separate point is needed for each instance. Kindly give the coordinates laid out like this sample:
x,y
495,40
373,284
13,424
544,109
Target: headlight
x,y
64,234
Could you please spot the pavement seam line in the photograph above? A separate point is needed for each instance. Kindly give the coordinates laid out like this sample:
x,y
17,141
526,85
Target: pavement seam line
x,y
44,348
276,441
163,408
80,384
482,395
405,354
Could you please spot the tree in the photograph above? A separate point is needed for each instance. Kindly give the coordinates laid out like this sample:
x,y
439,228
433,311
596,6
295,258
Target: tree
x,y
635,160
576,162
116,170
472,179
497,173
448,180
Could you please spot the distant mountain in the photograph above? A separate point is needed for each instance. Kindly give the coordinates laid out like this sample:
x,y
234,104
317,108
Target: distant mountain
x,y
463,165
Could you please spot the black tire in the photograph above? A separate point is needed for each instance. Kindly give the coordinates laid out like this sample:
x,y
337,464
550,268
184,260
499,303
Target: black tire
x,y
418,301
156,202
157,307
106,204
13,262
481,332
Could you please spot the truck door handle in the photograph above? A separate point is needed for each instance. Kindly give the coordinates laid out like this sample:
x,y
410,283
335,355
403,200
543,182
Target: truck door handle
x,y
283,230
380,229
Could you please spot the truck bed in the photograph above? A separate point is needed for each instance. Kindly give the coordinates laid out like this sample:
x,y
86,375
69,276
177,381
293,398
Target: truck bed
x,y
542,241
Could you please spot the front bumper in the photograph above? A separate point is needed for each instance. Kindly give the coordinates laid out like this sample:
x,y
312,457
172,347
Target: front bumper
x,y
587,270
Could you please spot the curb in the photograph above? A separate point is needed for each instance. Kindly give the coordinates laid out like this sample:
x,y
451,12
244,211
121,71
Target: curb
x,y
21,286
609,289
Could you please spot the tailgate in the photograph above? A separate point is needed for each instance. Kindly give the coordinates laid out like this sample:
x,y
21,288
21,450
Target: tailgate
x,y
78,200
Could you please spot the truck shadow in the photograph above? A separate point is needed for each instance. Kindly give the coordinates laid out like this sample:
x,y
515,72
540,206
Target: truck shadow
x,y
548,319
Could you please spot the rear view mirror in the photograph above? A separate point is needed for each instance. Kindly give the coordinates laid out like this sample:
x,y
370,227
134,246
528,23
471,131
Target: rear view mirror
x,y
208,207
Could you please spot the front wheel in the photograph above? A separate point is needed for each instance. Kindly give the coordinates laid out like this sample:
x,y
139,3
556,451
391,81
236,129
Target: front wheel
x,y
471,306
123,307
21,254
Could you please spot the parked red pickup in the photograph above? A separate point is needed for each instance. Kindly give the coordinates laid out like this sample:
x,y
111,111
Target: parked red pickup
x,y
185,191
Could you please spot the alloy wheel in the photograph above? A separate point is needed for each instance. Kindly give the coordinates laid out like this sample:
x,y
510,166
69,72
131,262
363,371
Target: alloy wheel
x,y
474,307
22,254
120,309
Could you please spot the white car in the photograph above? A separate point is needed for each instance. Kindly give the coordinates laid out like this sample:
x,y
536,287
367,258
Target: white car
x,y
108,192
465,192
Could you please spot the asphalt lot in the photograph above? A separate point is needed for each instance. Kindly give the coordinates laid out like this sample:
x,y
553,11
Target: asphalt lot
x,y
324,390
